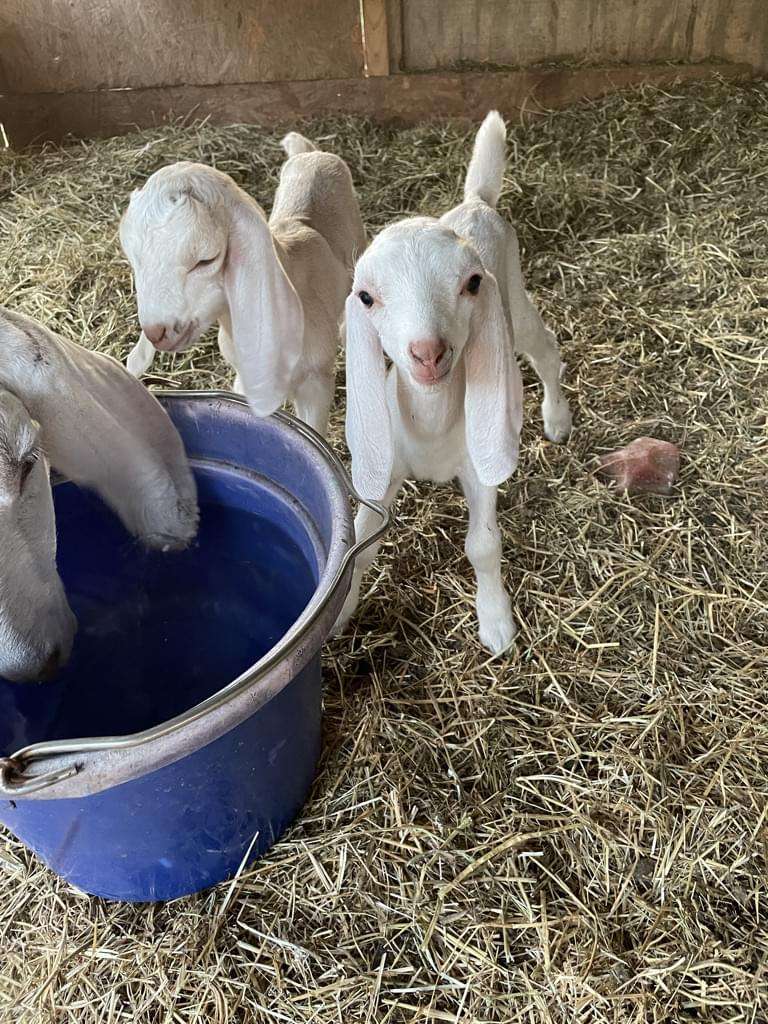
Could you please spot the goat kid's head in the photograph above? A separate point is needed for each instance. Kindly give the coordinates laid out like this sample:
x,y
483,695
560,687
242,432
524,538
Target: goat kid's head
x,y
418,284
175,238
422,297
37,626
200,248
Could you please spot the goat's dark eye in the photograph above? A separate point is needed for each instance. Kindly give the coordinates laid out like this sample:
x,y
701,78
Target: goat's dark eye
x,y
205,263
26,468
365,298
473,284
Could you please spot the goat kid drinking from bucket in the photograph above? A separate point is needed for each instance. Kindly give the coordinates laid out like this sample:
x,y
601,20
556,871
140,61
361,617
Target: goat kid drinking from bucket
x,y
203,252
443,299
100,428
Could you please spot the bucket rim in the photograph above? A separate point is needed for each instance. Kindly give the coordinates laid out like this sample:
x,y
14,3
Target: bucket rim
x,y
16,781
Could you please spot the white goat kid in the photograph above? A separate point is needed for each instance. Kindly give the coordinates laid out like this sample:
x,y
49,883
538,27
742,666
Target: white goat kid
x,y
443,299
202,252
102,429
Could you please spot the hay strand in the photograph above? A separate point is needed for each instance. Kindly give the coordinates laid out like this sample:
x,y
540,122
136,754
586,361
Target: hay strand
x,y
576,833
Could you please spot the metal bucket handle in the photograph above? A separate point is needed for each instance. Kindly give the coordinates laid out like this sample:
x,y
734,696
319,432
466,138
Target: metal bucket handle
x,y
12,769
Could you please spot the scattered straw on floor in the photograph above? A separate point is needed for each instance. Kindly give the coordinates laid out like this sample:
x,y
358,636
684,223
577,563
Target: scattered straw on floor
x,y
576,833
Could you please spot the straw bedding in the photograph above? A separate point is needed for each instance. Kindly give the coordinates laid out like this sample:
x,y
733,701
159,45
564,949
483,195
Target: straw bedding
x,y
576,832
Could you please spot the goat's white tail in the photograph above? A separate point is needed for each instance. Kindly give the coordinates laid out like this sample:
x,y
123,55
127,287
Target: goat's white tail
x,y
294,143
489,155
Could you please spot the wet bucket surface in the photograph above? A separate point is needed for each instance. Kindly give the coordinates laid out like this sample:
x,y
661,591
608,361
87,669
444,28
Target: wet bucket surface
x,y
160,633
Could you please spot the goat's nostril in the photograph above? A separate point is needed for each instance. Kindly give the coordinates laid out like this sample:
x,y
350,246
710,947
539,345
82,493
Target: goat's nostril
x,y
155,332
178,327
428,353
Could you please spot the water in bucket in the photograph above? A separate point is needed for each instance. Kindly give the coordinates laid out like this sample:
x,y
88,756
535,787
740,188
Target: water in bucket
x,y
158,633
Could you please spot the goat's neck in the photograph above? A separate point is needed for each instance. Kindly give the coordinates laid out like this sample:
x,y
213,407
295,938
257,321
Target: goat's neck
x,y
225,318
431,412
281,251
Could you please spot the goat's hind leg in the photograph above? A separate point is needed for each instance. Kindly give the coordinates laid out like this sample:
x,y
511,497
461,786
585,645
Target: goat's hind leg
x,y
313,398
539,346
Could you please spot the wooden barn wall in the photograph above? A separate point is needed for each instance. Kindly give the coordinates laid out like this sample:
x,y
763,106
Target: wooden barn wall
x,y
426,35
58,46
100,67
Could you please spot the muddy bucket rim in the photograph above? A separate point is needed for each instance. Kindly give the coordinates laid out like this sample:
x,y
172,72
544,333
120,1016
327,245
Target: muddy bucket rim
x,y
54,769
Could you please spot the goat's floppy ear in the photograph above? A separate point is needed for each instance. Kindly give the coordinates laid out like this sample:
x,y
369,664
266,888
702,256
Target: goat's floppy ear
x,y
369,432
267,316
493,401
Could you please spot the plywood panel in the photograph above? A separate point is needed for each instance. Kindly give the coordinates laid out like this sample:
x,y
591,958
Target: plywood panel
x,y
731,29
57,46
392,98
439,33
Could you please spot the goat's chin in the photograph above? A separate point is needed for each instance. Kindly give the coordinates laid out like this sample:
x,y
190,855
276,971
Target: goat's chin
x,y
187,340
180,346
200,331
431,384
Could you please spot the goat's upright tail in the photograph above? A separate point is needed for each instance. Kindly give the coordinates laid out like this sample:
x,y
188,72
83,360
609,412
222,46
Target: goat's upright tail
x,y
489,155
294,143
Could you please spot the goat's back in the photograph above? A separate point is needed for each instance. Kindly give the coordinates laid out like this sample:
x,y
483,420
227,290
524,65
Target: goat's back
x,y
316,188
484,228
497,245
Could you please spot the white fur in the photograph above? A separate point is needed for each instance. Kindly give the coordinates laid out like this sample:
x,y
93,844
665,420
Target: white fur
x,y
276,288
467,422
485,173
83,413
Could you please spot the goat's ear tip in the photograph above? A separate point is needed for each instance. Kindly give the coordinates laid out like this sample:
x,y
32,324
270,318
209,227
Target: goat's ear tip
x,y
263,407
366,483
508,472
498,471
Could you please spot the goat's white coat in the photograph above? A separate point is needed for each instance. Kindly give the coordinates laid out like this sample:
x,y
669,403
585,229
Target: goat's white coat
x,y
82,412
468,423
276,288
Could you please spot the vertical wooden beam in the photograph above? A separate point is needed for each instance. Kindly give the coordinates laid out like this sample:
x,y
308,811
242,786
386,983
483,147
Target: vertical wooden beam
x,y
375,37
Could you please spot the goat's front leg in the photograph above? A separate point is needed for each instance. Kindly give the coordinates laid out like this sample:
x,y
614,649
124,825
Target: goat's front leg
x,y
366,522
313,398
227,349
141,356
483,549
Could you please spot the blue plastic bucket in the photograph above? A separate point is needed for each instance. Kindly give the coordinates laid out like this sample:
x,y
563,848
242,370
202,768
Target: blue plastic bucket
x,y
196,675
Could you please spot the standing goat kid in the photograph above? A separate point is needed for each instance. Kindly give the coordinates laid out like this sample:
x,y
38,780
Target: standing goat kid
x,y
202,252
444,299
100,428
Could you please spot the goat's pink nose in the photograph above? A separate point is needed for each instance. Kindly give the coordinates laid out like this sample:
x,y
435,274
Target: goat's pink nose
x,y
428,353
155,332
